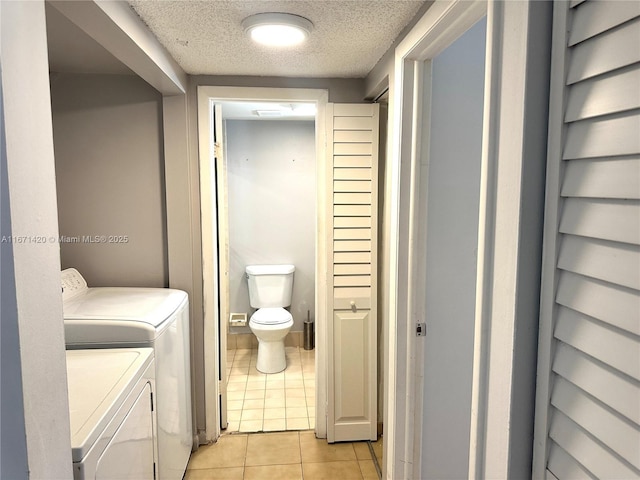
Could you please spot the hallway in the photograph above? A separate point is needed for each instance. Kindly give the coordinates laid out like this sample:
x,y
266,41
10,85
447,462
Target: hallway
x,y
283,455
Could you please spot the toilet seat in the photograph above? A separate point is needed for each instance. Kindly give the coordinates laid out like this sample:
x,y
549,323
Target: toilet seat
x,y
271,316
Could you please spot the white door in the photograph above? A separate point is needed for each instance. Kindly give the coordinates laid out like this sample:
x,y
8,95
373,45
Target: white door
x,y
215,325
221,253
352,141
588,394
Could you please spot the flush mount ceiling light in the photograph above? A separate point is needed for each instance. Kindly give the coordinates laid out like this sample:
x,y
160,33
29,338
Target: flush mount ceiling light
x,y
277,29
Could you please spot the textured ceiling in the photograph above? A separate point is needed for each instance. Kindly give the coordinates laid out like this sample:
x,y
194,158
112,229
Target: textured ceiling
x,y
349,37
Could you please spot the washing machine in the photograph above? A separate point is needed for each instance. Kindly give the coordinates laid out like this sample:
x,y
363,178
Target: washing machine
x,y
116,317
111,413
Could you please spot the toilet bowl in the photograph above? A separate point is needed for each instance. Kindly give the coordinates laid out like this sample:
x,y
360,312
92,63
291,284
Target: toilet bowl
x,y
270,290
270,326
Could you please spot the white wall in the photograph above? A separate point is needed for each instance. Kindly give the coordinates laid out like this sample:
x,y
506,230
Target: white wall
x,y
108,140
453,195
31,286
13,440
272,211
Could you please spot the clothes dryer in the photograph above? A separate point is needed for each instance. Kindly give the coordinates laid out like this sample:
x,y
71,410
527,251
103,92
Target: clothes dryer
x,y
111,413
116,317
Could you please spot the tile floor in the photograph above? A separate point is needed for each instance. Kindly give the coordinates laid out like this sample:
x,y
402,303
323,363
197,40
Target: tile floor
x,y
258,402
283,455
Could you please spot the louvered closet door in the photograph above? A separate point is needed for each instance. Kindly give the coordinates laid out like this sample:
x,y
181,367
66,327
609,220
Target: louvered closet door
x,y
353,150
591,388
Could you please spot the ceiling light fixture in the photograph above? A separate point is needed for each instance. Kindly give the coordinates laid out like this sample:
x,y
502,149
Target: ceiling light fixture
x,y
277,29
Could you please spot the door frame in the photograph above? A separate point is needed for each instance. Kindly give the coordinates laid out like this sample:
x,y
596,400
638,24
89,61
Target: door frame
x,y
510,66
206,98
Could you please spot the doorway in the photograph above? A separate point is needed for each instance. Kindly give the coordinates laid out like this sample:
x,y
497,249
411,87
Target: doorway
x,y
216,274
453,89
269,180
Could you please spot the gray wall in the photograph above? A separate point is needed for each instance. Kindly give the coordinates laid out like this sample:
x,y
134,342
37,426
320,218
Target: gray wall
x,y
452,238
272,207
110,177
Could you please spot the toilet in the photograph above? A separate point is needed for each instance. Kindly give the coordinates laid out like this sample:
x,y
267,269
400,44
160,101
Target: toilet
x,y
270,289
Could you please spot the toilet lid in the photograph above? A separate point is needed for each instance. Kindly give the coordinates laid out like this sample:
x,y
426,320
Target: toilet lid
x,y
271,316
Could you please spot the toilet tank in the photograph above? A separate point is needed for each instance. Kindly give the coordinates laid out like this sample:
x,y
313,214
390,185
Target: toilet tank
x,y
270,286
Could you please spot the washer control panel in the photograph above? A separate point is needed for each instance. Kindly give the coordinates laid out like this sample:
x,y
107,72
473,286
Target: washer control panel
x,y
72,283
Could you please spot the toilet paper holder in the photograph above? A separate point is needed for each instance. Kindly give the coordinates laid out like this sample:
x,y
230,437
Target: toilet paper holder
x,y
238,319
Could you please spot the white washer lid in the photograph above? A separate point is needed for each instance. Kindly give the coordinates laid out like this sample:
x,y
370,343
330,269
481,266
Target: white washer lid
x,y
271,316
119,314
98,382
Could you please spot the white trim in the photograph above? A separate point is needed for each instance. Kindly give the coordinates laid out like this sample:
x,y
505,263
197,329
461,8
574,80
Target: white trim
x,y
206,96
485,241
439,27
553,200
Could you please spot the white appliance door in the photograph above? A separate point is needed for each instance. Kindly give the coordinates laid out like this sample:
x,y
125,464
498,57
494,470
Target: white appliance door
x,y
129,454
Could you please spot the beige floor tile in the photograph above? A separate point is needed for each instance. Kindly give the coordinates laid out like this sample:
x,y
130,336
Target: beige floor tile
x,y
295,402
231,473
283,472
256,385
288,376
297,424
296,412
274,403
242,362
270,413
274,425
237,378
252,404
278,394
253,414
234,404
377,449
362,450
238,395
275,385
344,470
236,387
290,383
318,450
250,426
228,451
273,377
239,370
233,425
294,392
254,394
234,415
368,470
273,449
